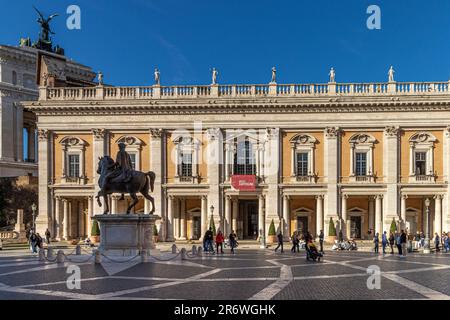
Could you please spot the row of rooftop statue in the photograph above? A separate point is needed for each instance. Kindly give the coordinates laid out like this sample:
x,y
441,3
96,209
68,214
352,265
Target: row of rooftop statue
x,y
215,73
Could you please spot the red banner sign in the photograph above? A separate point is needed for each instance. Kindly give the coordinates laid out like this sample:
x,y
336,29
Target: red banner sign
x,y
243,182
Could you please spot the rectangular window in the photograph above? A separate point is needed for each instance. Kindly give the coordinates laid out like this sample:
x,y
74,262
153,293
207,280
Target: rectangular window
x,y
74,165
421,163
361,164
133,160
244,161
302,164
186,165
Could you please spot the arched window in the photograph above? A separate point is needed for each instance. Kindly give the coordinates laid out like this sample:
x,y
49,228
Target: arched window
x,y
302,158
361,157
421,162
187,153
73,160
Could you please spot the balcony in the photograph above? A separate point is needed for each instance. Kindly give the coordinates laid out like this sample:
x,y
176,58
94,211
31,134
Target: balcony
x,y
74,180
304,179
422,178
362,179
187,179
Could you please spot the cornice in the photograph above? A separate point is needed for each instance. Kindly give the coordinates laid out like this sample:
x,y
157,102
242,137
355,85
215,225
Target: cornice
x,y
253,107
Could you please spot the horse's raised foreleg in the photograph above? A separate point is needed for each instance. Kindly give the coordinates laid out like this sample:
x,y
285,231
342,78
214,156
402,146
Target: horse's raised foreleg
x,y
99,194
135,201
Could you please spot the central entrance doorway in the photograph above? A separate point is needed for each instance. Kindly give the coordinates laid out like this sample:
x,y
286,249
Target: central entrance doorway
x,y
248,210
355,227
302,225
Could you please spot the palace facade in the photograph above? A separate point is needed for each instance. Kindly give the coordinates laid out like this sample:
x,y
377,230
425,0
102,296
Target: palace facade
x,y
363,155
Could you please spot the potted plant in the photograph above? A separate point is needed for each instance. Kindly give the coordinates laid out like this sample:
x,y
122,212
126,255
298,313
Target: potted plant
x,y
155,234
95,232
393,228
272,235
331,231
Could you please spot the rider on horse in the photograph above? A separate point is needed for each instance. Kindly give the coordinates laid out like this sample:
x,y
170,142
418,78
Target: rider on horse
x,y
123,168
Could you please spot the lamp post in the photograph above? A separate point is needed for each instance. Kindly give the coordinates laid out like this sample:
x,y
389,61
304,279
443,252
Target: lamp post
x,y
211,209
426,247
262,234
33,209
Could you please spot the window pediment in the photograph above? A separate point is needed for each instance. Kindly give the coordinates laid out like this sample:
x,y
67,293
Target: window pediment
x,y
303,140
362,139
422,138
130,141
72,141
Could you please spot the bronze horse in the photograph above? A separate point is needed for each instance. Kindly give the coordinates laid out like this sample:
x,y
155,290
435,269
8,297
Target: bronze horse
x,y
139,182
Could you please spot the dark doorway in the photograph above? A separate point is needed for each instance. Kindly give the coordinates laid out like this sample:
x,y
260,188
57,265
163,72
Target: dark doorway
x,y
355,227
197,228
302,225
249,214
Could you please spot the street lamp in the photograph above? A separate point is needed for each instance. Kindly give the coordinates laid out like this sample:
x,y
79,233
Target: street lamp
x,y
33,209
426,247
262,235
211,209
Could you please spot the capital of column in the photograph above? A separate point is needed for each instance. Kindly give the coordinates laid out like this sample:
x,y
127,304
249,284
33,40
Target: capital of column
x,y
90,198
99,134
64,200
447,131
286,197
170,197
204,197
438,197
332,132
404,196
344,196
379,196
261,196
213,133
391,131
43,134
319,197
156,133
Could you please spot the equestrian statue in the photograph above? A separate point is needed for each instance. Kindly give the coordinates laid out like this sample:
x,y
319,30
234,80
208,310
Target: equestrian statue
x,y
120,177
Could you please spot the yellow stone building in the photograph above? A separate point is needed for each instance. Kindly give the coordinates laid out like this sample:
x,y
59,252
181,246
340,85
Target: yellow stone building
x,y
360,154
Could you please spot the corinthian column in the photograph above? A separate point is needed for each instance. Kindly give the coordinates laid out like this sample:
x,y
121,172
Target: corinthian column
x,y
438,214
100,149
286,217
319,214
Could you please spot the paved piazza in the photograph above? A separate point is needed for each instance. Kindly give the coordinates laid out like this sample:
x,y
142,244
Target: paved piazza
x,y
250,274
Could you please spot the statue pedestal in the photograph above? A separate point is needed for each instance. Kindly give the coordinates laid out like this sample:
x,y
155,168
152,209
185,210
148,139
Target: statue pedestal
x,y
126,234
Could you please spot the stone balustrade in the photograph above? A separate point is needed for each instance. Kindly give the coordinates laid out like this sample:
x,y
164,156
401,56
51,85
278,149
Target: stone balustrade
x,y
244,91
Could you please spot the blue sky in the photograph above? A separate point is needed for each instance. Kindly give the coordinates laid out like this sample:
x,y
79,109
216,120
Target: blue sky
x,y
244,39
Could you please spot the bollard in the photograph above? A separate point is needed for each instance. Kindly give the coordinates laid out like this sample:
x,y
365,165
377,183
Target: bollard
x,y
78,250
194,250
183,254
144,255
98,257
60,256
174,248
199,251
50,253
41,254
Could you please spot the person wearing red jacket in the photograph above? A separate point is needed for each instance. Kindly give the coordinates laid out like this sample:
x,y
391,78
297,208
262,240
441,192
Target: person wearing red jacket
x,y
219,242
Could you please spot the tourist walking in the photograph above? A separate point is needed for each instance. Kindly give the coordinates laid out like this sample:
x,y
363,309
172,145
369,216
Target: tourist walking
x,y
208,239
376,241
39,242
33,242
219,242
422,239
280,241
417,240
295,241
437,241
391,242
47,236
321,237
403,241
445,240
232,240
398,243
384,241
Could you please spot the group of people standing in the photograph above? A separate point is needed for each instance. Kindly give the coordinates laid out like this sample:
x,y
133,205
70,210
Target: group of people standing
x,y
297,238
208,241
36,241
400,240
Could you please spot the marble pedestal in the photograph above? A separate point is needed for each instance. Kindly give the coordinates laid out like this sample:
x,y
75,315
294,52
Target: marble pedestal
x,y
126,234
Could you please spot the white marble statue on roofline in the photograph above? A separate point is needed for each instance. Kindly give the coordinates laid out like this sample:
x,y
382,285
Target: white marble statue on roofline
x,y
274,75
214,74
157,77
391,74
332,75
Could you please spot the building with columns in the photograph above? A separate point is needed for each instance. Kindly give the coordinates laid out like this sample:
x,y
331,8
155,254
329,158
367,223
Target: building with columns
x,y
363,155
